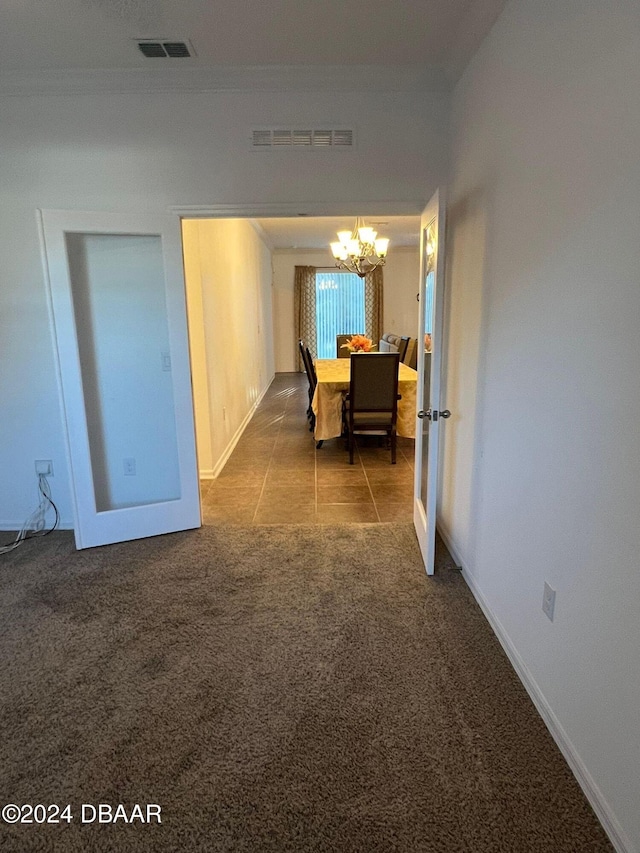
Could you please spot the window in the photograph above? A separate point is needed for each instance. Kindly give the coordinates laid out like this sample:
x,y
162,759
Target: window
x,y
326,304
339,309
428,295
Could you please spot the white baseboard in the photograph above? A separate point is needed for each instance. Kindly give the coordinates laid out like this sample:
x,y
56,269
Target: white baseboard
x,y
446,538
13,526
603,811
212,473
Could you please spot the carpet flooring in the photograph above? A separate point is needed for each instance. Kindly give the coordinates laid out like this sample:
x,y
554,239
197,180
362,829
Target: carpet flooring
x,y
273,688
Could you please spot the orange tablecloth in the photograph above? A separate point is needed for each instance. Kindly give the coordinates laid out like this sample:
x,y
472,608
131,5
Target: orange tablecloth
x,y
333,380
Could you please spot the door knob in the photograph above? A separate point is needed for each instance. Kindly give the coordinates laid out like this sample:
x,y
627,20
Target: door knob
x,y
434,414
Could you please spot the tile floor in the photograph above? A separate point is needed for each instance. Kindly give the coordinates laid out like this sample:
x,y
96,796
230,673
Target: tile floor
x,y
276,475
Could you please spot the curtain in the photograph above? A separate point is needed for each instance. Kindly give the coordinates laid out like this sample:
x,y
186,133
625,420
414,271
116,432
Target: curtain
x,y
374,304
304,307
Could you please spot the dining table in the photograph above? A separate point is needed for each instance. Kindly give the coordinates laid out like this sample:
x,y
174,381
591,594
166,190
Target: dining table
x,y
333,378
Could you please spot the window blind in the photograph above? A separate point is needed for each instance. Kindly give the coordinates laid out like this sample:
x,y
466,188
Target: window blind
x,y
339,309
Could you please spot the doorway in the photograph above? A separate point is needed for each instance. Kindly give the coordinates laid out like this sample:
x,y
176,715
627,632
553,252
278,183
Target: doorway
x,y
240,272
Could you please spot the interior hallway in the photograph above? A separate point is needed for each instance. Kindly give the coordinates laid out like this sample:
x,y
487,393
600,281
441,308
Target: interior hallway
x,y
276,475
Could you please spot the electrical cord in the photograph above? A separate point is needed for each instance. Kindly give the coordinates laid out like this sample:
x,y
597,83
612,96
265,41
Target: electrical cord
x,y
34,526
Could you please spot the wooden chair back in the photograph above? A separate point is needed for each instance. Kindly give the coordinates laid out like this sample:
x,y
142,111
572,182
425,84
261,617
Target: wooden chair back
x,y
310,370
340,351
373,397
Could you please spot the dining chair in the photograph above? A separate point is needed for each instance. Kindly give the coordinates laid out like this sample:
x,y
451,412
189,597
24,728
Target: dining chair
x,y
411,353
313,381
402,346
371,406
309,369
340,340
312,369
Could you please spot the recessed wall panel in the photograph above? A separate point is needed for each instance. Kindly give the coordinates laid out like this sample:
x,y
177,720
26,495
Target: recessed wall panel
x,y
120,311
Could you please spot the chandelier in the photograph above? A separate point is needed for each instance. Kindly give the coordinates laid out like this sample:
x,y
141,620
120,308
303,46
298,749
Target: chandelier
x,y
361,250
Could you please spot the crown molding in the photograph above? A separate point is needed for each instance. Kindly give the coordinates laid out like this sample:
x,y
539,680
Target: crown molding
x,y
271,78
262,234
265,210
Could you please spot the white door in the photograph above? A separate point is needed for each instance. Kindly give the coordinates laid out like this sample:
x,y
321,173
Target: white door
x,y
429,416
118,300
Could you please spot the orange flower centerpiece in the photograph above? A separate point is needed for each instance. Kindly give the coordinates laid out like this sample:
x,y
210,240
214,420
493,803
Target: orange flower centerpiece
x,y
358,343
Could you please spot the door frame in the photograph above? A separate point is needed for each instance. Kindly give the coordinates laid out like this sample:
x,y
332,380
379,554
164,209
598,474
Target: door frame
x,y
293,209
319,209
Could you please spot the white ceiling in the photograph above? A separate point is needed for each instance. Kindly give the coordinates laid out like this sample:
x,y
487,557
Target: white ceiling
x,y
435,35
316,232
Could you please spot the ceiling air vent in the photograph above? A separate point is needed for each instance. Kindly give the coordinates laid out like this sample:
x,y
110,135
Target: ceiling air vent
x,y
343,137
302,137
269,138
322,138
176,49
262,139
281,137
153,49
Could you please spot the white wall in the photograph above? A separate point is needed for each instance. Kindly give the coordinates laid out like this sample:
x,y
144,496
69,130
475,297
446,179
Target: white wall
x,y
401,285
401,281
144,151
542,464
228,281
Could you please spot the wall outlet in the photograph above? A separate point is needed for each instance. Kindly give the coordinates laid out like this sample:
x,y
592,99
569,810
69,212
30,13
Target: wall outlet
x,y
44,466
548,601
129,466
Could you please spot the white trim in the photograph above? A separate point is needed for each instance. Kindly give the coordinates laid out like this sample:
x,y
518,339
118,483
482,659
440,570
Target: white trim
x,y
212,473
268,78
58,367
262,234
286,209
420,525
601,807
446,538
13,526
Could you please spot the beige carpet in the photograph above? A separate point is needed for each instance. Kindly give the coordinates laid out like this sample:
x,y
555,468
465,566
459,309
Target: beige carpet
x,y
272,689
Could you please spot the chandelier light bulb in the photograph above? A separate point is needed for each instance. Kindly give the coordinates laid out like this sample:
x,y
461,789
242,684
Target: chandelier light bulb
x,y
382,246
339,251
367,235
